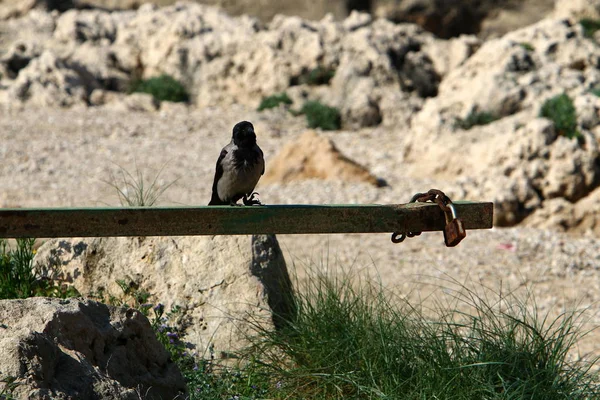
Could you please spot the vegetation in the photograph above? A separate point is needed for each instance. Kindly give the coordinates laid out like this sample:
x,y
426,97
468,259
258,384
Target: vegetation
x,y
590,26
357,341
321,116
527,46
561,111
162,88
134,190
18,277
274,101
474,119
317,76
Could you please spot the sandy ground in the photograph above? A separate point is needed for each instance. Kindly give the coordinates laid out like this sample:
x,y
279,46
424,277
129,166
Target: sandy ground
x,y
57,158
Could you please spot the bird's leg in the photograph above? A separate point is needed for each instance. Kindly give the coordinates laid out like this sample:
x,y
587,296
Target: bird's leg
x,y
251,201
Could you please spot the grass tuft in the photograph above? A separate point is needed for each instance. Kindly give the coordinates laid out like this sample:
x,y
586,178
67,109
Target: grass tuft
x,y
274,101
355,342
162,88
18,277
321,116
134,190
475,119
561,111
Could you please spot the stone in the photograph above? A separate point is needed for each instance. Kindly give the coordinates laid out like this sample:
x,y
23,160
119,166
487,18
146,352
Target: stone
x,y
223,284
48,81
315,157
82,349
577,9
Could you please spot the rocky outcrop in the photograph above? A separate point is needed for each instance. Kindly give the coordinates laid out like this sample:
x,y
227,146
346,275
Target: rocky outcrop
x,y
81,349
224,60
577,9
220,283
311,156
518,160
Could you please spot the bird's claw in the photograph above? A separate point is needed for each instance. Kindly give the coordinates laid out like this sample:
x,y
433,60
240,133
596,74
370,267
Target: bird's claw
x,y
251,201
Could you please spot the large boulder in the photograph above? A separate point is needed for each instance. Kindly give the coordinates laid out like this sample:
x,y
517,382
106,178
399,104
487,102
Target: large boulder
x,y
81,349
312,156
219,282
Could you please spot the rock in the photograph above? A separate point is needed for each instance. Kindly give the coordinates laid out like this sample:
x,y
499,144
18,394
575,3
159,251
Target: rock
x,y
444,19
315,157
224,60
83,349
219,281
49,81
510,78
577,9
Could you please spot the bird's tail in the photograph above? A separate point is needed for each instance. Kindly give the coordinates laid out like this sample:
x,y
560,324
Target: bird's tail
x,y
216,201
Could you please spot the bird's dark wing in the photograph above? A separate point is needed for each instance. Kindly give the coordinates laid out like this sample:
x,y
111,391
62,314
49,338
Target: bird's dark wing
x,y
215,200
263,158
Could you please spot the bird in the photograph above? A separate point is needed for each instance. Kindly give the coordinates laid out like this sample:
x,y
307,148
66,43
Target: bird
x,y
239,167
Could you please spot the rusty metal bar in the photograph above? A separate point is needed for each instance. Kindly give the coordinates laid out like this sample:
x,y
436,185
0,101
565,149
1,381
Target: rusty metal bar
x,y
227,220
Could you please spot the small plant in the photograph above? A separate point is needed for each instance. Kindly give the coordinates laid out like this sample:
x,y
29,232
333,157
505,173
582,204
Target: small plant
x,y
321,116
590,26
560,110
595,91
135,190
274,101
163,88
527,46
474,119
317,76
18,277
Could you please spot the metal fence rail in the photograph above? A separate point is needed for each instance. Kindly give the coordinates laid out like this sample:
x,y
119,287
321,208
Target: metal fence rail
x,y
227,220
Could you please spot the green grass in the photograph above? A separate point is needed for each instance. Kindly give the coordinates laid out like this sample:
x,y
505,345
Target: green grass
x,y
162,88
274,101
475,119
590,26
18,277
595,92
561,111
134,189
319,115
358,343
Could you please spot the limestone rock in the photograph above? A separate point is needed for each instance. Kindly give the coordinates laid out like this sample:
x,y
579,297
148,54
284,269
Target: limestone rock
x,y
577,9
49,81
83,349
315,157
511,78
219,282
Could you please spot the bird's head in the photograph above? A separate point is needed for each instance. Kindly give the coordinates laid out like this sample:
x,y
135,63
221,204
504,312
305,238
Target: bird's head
x,y
243,134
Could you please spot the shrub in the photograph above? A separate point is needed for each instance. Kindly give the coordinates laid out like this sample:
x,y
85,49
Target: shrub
x,y
317,76
274,101
474,119
163,88
561,111
590,26
321,116
18,277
